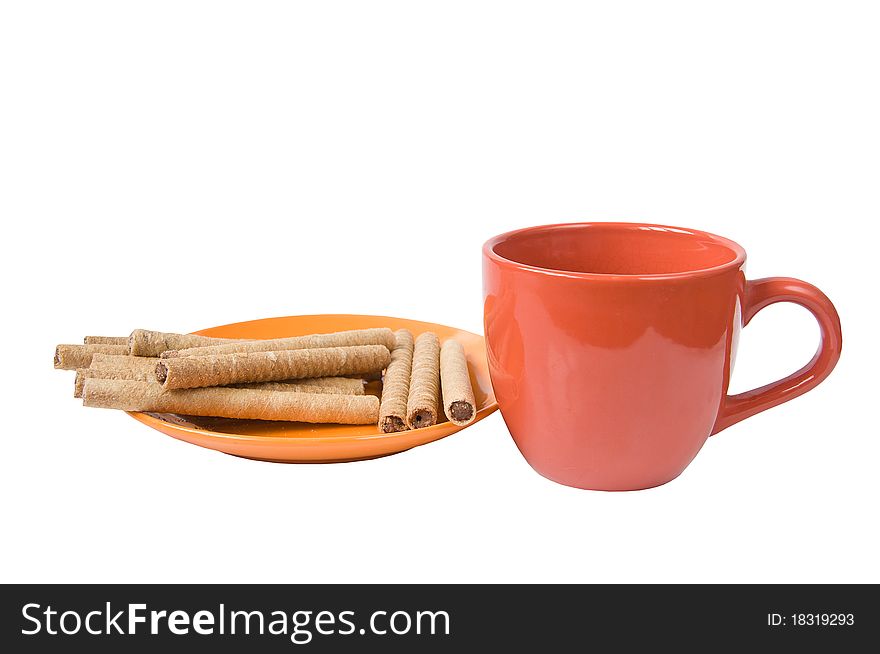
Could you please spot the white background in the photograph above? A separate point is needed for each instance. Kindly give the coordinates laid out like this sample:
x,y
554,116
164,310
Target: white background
x,y
179,165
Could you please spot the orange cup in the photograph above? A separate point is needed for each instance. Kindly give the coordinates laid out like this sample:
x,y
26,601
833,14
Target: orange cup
x,y
610,346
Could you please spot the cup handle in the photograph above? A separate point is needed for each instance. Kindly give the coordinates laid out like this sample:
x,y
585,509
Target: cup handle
x,y
762,293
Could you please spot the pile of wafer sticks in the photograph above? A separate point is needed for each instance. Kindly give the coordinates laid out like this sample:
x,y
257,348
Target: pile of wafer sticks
x,y
318,378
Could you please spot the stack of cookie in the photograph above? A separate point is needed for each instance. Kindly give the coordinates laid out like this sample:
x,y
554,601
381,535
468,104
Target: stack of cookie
x,y
319,378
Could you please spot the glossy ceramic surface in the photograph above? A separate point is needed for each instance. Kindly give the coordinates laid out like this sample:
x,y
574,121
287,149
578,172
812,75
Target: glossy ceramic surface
x,y
610,346
295,442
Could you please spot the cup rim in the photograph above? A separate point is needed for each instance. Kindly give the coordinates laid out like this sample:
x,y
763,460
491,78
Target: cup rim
x,y
738,260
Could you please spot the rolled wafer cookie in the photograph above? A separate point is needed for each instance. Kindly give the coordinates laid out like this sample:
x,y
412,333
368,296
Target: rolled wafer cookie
x,y
146,343
351,385
337,385
294,387
395,385
341,385
131,373
374,336
243,403
226,369
145,368
106,340
115,366
71,357
116,361
458,395
423,401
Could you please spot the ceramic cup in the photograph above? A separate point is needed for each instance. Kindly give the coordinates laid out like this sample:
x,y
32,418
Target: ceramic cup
x,y
610,346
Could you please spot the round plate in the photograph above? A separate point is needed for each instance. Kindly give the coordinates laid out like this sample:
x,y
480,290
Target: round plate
x,y
299,442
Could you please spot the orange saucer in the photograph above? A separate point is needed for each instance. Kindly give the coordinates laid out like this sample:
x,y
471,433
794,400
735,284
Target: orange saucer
x,y
298,442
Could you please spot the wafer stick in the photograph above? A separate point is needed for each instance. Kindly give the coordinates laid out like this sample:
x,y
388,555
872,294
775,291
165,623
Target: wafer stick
x,y
226,369
116,366
351,385
395,385
71,357
244,403
376,336
130,373
145,343
295,387
323,385
145,368
125,361
458,395
106,340
423,401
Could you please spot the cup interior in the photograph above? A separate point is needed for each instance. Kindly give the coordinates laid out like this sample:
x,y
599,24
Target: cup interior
x,y
617,249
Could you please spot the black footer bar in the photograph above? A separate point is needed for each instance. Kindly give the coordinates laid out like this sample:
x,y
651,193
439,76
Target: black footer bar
x,y
318,618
